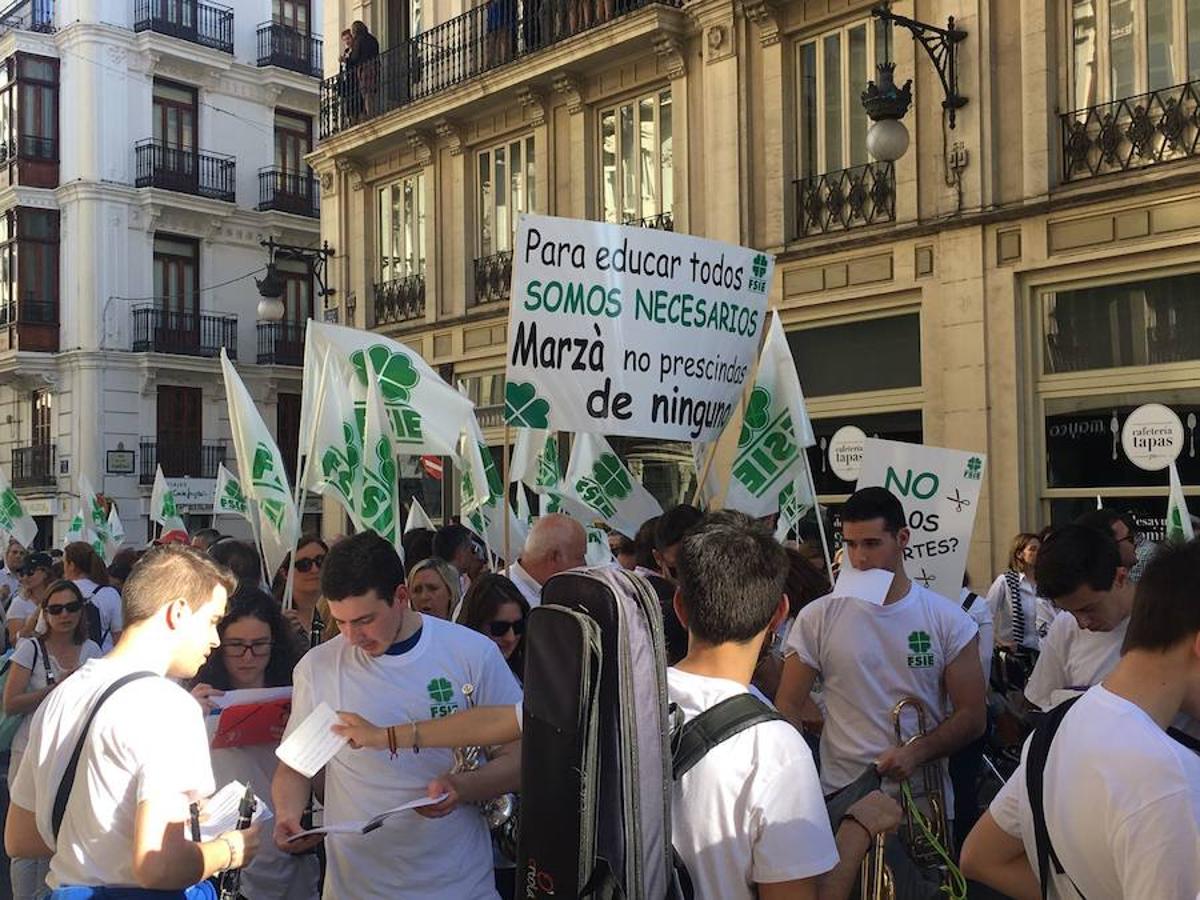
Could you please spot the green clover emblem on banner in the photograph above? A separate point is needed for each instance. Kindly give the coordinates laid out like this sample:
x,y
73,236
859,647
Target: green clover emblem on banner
x,y
760,266
610,474
974,468
169,510
758,412
440,689
523,407
397,374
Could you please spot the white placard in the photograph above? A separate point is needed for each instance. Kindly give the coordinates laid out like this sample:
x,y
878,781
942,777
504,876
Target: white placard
x,y
868,585
846,452
1152,437
939,489
630,331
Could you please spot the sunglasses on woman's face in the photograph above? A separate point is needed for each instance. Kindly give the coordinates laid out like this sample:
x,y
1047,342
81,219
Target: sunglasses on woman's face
x,y
499,628
312,562
57,609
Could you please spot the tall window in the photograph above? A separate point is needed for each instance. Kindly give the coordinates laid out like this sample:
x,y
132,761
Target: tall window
x,y
29,265
1121,48
176,274
292,14
29,107
175,116
293,140
636,159
833,70
506,188
402,228
43,408
180,431
297,291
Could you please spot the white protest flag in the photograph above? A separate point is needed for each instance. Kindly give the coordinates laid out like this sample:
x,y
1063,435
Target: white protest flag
x,y
775,430
418,518
163,508
261,470
95,515
481,494
524,513
116,532
535,464
598,551
529,445
334,465
598,479
378,500
14,520
1179,521
229,498
76,528
795,500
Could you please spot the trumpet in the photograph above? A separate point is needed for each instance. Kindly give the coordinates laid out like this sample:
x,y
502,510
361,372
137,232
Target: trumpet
x,y
500,813
923,848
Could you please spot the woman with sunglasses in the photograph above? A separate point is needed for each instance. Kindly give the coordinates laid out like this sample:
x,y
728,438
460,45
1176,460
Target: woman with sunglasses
x,y
306,586
256,651
496,607
39,664
433,588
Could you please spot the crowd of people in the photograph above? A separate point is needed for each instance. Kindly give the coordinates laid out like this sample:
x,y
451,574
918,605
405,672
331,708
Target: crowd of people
x,y
116,675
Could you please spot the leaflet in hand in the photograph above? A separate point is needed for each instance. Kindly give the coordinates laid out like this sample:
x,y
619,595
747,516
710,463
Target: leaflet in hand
x,y
371,824
870,585
250,696
247,725
313,743
221,811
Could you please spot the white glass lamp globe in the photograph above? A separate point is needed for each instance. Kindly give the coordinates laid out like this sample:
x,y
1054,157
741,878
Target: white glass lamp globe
x,y
887,140
271,309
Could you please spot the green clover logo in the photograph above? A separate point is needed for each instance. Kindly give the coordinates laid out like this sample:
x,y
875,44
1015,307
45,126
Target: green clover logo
x,y
396,372
757,413
440,689
232,498
610,474
379,480
99,517
919,642
523,407
974,468
340,464
263,471
591,493
760,266
169,511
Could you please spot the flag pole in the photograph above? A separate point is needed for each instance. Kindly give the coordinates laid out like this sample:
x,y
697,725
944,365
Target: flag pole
x,y
812,490
504,494
709,457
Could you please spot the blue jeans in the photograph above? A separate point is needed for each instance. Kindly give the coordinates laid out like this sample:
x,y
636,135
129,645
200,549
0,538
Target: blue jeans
x,y
202,891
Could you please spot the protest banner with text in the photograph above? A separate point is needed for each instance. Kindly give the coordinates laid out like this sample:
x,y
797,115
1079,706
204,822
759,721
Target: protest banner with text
x,y
630,331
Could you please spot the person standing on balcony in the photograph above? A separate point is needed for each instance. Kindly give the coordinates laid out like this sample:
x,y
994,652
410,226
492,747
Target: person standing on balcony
x,y
364,60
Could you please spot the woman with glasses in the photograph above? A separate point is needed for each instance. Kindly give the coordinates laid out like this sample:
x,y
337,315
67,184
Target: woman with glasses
x,y
433,588
39,664
25,610
306,588
256,651
496,607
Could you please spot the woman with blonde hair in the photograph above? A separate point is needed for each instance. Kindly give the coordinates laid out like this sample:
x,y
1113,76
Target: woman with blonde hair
x,y
433,588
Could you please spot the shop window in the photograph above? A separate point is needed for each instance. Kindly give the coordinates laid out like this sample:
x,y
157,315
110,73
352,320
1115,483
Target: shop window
x,y
829,357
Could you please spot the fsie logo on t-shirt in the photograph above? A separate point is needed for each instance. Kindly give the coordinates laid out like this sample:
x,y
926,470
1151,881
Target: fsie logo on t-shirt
x,y
919,656
441,692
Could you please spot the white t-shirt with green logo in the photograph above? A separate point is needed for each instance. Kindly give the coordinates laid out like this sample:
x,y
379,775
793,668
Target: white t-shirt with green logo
x,y
409,856
871,657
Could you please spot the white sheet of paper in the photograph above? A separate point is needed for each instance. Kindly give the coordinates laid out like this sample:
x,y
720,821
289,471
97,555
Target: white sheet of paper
x,y
251,696
220,812
870,585
313,744
372,823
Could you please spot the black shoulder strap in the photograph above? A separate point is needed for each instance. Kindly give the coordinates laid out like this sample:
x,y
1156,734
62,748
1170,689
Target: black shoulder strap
x,y
716,724
1035,772
1182,737
68,780
970,601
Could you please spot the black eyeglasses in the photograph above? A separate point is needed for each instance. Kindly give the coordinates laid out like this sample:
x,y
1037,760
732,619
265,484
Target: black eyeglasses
x,y
237,649
499,628
312,562
57,609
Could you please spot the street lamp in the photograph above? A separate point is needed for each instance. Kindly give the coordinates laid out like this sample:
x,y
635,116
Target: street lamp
x,y
886,105
270,287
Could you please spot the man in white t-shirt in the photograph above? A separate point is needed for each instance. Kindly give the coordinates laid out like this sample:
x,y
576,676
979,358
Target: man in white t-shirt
x,y
870,657
1080,570
556,542
143,759
1121,799
392,664
749,819
10,578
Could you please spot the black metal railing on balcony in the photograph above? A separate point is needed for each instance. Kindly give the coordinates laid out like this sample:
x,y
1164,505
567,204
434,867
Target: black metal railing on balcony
x,y
187,171
493,278
30,310
180,459
28,15
1132,133
160,330
33,466
664,221
290,192
206,24
400,299
26,146
491,35
289,48
281,343
835,201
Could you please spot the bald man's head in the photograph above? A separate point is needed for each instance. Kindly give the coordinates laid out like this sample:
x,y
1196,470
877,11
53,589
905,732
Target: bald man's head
x,y
555,543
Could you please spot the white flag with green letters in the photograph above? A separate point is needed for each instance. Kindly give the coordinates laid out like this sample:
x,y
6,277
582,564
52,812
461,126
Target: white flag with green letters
x,y
598,479
163,508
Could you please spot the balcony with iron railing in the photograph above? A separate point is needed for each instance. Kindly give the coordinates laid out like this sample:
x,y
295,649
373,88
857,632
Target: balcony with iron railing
x,y
849,198
28,15
281,343
493,278
289,48
491,35
290,192
1132,133
33,466
33,322
180,459
206,24
400,299
187,171
663,221
160,330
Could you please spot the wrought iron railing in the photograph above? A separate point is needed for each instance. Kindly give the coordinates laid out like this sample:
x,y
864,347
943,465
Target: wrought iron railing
x,y
835,201
281,343
27,146
481,39
289,48
400,299
493,277
490,416
33,466
206,24
185,170
664,221
28,15
290,192
160,330
178,460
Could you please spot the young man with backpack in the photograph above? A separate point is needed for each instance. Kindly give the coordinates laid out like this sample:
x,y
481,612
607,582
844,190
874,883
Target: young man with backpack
x,y
1105,803
748,817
